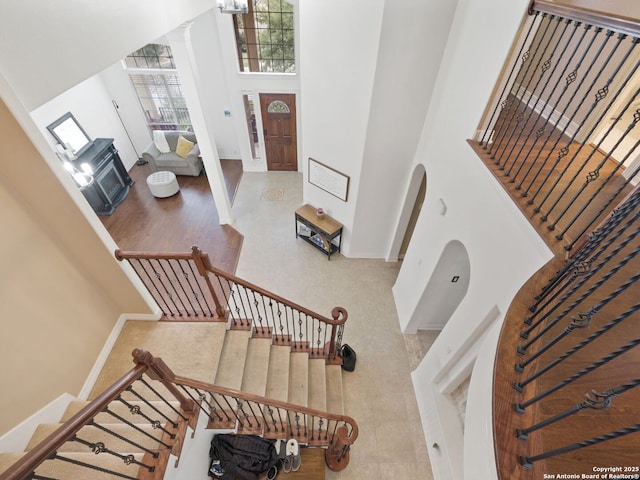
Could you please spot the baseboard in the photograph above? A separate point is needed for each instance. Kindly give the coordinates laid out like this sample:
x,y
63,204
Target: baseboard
x,y
16,439
106,350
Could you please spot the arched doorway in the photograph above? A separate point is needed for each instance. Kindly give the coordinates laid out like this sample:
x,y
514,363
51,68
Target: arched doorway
x,y
445,290
410,211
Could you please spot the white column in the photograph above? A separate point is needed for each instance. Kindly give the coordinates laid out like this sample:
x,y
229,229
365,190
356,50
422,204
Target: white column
x,y
183,54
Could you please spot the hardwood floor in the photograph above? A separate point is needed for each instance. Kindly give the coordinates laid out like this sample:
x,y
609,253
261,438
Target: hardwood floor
x,y
143,222
575,357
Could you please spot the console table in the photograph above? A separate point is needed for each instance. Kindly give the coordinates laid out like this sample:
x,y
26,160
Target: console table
x,y
324,233
111,181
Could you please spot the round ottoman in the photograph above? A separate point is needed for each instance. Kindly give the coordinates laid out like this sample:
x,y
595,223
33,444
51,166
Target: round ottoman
x,y
163,184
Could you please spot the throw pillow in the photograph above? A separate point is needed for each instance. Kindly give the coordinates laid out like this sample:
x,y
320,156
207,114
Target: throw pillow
x,y
184,147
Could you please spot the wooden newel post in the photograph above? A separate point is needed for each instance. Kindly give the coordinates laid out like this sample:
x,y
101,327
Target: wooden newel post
x,y
158,370
338,314
336,455
203,265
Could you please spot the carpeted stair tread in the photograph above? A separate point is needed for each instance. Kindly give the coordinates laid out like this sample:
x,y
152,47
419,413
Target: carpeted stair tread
x,y
190,349
278,375
93,434
8,459
62,469
317,385
335,398
256,368
122,410
298,379
233,358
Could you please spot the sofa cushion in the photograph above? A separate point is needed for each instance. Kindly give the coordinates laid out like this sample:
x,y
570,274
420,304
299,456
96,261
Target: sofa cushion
x,y
170,160
184,147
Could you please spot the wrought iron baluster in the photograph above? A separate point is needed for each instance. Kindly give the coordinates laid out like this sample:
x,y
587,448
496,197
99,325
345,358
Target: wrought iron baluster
x,y
198,292
484,141
570,79
155,291
530,109
185,295
520,407
166,402
585,267
594,400
174,295
602,93
594,175
136,427
586,161
56,456
99,447
528,461
590,291
518,114
595,242
250,310
584,143
579,322
125,439
153,407
623,316
622,186
256,303
135,410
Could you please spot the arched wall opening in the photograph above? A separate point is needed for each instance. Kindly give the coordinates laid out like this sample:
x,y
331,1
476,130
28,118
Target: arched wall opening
x,y
445,290
409,215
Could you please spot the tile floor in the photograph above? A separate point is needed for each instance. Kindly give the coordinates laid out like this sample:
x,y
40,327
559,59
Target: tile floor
x,y
379,393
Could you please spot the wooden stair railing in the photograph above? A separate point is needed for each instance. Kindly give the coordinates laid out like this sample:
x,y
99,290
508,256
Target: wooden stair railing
x,y
269,418
225,408
186,286
562,136
566,369
166,414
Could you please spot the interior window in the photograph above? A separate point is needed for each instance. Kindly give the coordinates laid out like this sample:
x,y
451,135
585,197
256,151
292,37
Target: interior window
x,y
155,79
265,37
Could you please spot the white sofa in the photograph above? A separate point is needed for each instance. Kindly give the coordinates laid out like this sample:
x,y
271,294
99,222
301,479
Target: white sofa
x,y
170,161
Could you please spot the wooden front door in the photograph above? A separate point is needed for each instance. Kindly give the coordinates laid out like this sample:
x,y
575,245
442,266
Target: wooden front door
x,y
279,124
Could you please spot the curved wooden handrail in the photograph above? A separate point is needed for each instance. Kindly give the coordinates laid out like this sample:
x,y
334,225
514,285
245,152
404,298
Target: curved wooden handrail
x,y
339,314
34,457
618,23
336,313
250,397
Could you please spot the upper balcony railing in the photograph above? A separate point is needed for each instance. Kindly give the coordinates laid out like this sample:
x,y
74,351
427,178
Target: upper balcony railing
x,y
562,136
562,133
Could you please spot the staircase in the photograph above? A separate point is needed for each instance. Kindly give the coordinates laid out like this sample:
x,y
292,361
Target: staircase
x,y
227,374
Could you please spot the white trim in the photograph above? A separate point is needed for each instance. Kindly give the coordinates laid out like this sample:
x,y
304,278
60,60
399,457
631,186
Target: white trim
x,y
106,350
561,122
473,338
17,439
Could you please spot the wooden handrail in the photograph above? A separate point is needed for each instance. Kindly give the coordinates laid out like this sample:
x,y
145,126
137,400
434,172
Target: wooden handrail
x,y
34,457
618,23
250,397
156,369
339,314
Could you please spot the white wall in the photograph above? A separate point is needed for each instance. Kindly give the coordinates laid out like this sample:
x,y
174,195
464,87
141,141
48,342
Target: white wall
x,y
503,248
412,42
48,47
237,84
90,103
338,65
